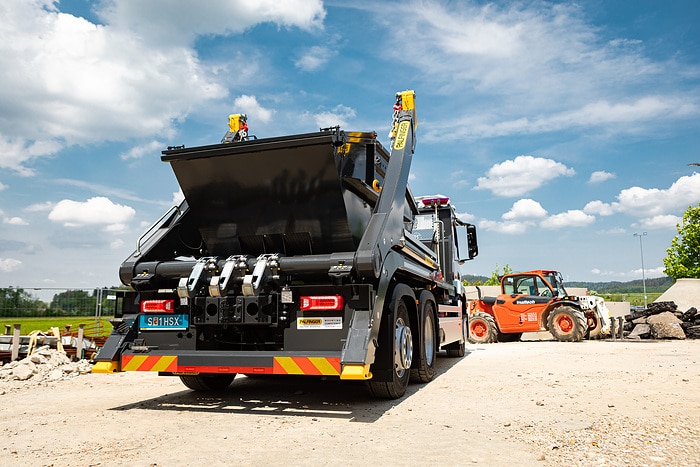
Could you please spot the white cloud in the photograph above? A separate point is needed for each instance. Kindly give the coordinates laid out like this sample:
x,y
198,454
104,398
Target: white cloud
x,y
521,175
15,221
571,218
39,207
523,59
339,115
134,76
509,227
9,264
178,197
598,207
98,211
249,105
116,244
166,21
465,216
650,202
314,58
662,221
600,176
525,209
137,152
2,186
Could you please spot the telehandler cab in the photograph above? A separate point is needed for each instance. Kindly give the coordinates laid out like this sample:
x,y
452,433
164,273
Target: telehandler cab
x,y
536,301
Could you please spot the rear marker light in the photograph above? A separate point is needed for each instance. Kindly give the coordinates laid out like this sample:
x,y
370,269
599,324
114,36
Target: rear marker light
x,y
158,306
321,302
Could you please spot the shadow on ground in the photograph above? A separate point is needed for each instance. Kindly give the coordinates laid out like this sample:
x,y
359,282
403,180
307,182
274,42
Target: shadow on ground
x,y
291,396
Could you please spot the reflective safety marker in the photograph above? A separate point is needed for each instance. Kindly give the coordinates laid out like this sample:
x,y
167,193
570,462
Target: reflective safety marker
x,y
149,363
307,366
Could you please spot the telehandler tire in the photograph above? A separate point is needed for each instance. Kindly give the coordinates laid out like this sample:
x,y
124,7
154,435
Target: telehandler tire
x,y
595,327
567,324
482,328
424,372
203,383
400,353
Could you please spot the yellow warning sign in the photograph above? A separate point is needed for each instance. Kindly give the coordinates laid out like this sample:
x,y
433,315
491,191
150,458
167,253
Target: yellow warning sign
x,y
332,322
402,134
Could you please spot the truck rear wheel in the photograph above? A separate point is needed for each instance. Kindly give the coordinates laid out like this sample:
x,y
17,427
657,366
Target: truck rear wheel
x,y
567,324
482,328
203,383
427,347
401,354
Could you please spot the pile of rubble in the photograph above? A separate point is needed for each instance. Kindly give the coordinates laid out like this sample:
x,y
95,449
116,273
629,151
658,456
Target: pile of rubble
x,y
44,364
663,320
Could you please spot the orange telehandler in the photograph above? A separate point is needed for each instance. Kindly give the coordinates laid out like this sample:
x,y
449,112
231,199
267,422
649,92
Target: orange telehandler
x,y
536,301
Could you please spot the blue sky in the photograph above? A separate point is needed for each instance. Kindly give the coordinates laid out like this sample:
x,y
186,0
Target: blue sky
x,y
560,129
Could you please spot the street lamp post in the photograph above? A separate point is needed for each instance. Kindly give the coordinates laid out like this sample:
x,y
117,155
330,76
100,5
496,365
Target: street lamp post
x,y
641,252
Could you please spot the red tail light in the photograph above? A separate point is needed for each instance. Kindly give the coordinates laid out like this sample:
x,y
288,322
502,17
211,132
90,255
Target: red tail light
x,y
437,201
321,302
158,306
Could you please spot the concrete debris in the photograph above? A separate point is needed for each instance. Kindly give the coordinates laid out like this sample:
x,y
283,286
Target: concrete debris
x,y
665,326
663,320
44,364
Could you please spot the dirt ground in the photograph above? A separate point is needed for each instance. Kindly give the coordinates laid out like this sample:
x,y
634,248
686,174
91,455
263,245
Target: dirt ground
x,y
619,403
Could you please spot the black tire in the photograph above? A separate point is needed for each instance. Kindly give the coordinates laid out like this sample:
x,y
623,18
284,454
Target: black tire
x,y
424,367
459,349
482,328
400,353
203,383
567,324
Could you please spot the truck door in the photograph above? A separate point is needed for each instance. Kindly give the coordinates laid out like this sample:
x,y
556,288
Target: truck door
x,y
518,309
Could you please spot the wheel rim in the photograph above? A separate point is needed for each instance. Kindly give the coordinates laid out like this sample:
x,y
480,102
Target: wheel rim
x,y
565,324
429,339
478,328
403,350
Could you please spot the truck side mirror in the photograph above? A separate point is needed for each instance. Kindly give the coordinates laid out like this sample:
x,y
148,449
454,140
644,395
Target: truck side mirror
x,y
472,245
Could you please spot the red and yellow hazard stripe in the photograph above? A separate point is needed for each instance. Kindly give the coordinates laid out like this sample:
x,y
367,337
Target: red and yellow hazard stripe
x,y
316,366
149,363
306,366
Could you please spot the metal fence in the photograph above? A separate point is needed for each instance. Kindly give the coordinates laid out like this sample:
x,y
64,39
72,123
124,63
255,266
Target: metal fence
x,y
18,302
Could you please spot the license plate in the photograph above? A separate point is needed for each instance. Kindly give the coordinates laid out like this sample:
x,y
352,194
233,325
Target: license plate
x,y
163,322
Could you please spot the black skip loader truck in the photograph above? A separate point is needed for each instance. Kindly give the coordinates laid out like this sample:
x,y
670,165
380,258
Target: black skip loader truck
x,y
301,255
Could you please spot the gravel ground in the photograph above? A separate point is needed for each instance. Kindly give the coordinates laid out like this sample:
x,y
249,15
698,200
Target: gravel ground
x,y
526,403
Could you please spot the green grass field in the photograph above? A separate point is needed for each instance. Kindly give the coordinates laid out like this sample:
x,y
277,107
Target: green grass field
x,y
45,324
635,299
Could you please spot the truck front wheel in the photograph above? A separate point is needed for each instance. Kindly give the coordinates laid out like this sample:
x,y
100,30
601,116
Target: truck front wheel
x,y
205,382
401,355
567,324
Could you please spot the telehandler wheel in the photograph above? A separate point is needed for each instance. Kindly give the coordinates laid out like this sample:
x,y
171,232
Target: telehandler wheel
x,y
203,383
595,326
424,372
567,324
482,328
401,355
